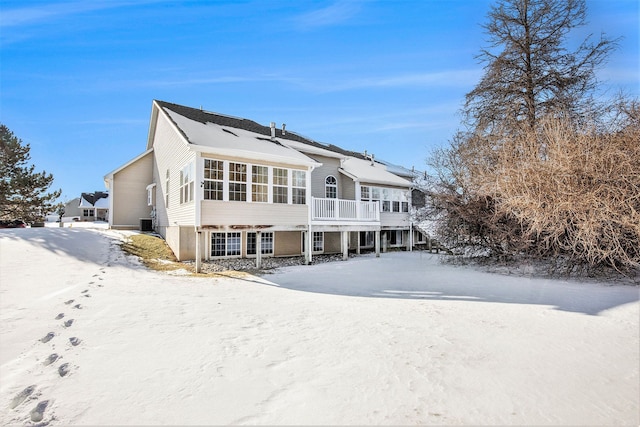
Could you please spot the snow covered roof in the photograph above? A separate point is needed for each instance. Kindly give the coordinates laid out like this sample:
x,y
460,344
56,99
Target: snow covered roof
x,y
233,136
207,136
99,199
102,203
232,124
216,138
370,172
84,203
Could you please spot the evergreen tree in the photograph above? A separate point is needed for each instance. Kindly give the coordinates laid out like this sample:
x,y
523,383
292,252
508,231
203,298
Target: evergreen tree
x,y
23,192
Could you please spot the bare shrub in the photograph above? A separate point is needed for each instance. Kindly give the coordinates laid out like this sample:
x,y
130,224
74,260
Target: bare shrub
x,y
574,192
561,191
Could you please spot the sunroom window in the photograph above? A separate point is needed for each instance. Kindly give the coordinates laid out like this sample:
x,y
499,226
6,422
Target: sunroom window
x,y
237,182
299,187
213,179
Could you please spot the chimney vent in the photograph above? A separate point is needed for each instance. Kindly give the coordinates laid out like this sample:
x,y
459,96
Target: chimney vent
x,y
273,130
284,125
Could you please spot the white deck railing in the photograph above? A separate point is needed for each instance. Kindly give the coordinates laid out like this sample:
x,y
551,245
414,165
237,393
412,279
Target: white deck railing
x,y
344,210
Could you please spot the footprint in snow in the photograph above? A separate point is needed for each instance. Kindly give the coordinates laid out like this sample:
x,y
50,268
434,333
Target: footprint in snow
x,y
78,306
37,414
86,295
47,337
49,360
59,316
63,369
85,291
68,323
68,302
75,341
22,396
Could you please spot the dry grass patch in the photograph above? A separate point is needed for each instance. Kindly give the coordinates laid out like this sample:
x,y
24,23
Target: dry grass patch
x,y
153,251
155,254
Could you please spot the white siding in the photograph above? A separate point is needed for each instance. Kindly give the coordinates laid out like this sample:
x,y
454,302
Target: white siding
x,y
218,213
171,152
394,220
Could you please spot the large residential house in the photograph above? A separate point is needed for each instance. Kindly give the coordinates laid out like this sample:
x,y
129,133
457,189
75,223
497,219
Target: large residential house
x,y
216,186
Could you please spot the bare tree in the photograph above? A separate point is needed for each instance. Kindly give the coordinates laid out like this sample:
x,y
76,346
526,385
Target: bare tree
x,y
537,173
529,71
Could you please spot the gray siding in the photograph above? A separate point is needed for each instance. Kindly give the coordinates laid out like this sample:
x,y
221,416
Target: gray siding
x,y
319,175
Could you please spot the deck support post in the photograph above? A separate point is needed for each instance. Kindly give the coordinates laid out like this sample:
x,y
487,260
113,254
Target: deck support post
x,y
308,242
345,245
377,243
198,254
258,249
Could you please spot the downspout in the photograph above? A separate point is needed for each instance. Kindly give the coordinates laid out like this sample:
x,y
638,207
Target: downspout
x,y
309,242
410,219
198,196
111,197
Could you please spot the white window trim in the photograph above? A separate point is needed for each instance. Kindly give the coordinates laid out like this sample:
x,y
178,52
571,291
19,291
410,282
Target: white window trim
x,y
270,182
190,192
226,245
150,194
326,185
273,244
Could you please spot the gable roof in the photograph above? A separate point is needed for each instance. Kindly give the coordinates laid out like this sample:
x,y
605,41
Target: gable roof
x,y
229,123
366,171
205,134
213,132
99,199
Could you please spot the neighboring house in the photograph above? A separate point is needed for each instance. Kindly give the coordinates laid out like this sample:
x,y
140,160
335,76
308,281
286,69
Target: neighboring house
x,y
216,186
94,206
72,209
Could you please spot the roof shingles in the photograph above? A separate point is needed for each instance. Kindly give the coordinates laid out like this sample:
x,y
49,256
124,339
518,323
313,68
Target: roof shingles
x,y
248,125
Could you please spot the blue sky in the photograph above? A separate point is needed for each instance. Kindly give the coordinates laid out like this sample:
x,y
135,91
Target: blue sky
x,y
389,76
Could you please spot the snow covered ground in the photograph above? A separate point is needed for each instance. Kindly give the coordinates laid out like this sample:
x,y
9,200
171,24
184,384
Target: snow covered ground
x,y
397,340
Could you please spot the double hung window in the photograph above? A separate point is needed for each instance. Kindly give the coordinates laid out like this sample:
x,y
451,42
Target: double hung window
x,y
299,187
187,183
213,179
237,182
280,185
259,183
